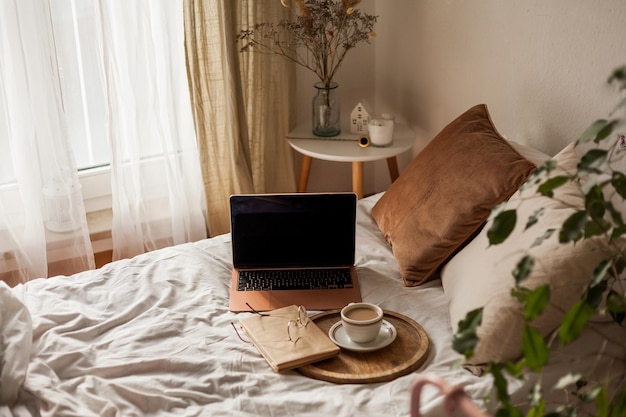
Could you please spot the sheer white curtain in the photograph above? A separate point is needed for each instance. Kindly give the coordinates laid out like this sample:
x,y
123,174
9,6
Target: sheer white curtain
x,y
93,71
157,183
43,228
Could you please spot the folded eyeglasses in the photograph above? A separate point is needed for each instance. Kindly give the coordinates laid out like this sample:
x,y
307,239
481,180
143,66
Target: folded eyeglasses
x,y
293,325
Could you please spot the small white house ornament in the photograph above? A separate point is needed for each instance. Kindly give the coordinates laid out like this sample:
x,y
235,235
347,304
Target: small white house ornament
x,y
359,118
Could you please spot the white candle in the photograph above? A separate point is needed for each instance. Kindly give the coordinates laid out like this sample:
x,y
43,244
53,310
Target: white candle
x,y
381,130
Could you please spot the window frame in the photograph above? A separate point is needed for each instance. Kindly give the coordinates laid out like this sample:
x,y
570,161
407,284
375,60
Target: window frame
x,y
96,188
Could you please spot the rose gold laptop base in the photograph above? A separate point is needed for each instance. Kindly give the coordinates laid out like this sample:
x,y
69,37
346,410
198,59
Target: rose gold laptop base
x,y
325,299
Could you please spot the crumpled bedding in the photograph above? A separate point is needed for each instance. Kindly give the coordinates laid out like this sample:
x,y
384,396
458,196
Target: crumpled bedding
x,y
152,336
15,344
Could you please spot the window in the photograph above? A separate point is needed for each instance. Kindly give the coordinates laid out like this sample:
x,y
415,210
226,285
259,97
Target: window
x,y
76,40
79,77
75,29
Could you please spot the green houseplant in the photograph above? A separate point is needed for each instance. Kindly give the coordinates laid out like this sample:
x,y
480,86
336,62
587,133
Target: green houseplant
x,y
602,188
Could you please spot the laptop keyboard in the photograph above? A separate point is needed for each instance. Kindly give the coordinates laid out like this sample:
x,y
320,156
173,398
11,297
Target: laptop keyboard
x,y
294,279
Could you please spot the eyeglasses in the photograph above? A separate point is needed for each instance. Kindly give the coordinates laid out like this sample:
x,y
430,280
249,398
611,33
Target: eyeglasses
x,y
293,325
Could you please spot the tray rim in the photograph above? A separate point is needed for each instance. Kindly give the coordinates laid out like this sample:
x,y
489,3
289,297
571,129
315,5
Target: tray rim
x,y
408,366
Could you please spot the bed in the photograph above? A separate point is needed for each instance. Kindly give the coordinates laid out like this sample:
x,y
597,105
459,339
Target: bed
x,y
152,336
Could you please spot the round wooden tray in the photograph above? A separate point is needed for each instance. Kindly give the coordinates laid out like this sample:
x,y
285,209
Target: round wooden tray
x,y
404,355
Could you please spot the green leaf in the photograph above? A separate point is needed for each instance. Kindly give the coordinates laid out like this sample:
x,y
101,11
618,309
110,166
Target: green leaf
x,y
548,187
499,381
573,227
618,76
596,228
600,271
618,408
495,210
508,411
523,268
540,239
617,232
539,174
592,131
602,403
592,161
502,226
515,369
536,302
534,218
618,181
574,322
534,348
605,132
548,166
595,294
538,410
616,215
520,293
465,339
616,305
594,202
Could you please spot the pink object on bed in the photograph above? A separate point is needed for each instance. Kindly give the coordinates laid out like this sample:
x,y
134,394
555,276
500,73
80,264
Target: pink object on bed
x,y
454,397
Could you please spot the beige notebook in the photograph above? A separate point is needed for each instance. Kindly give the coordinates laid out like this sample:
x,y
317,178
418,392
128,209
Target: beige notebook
x,y
287,346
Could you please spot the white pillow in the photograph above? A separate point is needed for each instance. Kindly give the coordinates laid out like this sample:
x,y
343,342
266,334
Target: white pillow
x,y
481,275
16,334
534,155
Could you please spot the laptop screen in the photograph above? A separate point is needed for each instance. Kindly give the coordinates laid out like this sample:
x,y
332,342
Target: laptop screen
x,y
293,230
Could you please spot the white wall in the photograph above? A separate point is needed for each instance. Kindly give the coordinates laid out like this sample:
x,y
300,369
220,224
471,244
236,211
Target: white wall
x,y
539,65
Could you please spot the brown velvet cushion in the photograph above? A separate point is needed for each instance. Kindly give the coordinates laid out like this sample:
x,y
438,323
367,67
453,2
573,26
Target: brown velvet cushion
x,y
446,193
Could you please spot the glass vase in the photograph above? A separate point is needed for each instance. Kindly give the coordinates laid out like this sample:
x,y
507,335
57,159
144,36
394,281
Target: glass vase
x,y
326,120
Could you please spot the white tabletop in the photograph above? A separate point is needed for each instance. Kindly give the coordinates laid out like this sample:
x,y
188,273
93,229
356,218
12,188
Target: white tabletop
x,y
345,146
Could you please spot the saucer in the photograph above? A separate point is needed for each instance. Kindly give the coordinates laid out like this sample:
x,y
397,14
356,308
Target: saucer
x,y
387,334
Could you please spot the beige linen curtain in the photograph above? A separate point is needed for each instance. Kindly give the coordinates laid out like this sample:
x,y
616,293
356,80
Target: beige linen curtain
x,y
241,104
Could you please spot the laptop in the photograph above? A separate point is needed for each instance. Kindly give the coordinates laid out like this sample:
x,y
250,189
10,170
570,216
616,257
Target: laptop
x,y
310,235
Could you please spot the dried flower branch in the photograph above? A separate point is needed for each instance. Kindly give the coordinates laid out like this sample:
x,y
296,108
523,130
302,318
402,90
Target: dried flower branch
x,y
325,29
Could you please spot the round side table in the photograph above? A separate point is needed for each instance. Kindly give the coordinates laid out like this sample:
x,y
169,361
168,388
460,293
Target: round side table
x,y
345,148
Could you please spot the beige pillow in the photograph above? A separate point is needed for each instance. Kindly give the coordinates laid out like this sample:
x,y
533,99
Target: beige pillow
x,y
534,155
481,275
446,193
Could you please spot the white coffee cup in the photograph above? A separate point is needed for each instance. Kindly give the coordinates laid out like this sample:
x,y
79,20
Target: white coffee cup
x,y
362,321
381,130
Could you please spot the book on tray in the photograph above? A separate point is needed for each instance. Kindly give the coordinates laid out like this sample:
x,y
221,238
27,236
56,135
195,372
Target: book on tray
x,y
287,339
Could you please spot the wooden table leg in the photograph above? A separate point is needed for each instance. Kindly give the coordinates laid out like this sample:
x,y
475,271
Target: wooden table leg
x,y
357,179
304,173
392,164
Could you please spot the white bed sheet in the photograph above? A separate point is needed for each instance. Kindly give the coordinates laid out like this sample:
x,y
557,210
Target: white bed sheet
x,y
152,336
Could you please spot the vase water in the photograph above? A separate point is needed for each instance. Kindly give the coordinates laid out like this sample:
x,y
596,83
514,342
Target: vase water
x,y
325,110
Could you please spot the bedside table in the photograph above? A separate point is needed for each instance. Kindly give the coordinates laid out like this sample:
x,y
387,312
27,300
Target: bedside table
x,y
345,148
